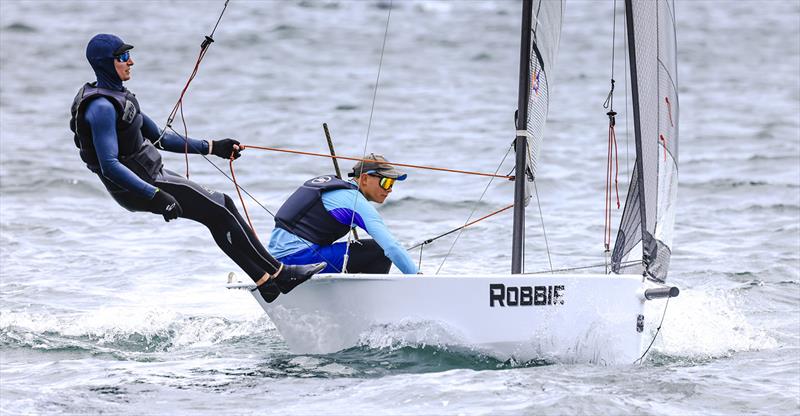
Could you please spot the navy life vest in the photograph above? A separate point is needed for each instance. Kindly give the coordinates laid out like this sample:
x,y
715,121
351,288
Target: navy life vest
x,y
304,215
136,153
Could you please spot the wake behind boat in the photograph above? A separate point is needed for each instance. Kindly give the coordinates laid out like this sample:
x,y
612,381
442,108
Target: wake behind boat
x,y
595,318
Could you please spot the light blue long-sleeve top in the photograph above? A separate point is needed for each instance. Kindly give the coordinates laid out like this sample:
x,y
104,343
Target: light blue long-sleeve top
x,y
340,204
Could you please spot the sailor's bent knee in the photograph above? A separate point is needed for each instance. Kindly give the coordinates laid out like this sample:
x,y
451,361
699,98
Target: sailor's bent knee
x,y
229,203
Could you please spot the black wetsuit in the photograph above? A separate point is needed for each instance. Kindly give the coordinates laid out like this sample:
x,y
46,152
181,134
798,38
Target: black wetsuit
x,y
216,211
116,141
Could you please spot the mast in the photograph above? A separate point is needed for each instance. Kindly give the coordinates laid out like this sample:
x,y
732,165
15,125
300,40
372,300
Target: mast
x,y
521,142
637,128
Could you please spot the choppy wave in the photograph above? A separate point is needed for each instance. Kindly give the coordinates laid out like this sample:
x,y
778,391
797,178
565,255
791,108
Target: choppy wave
x,y
725,183
146,335
20,28
122,330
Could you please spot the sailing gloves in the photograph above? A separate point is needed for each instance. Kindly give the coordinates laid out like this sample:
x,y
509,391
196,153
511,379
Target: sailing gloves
x,y
225,148
166,205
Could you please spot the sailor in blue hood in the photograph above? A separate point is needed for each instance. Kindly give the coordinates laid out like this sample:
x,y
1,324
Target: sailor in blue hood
x,y
101,53
119,143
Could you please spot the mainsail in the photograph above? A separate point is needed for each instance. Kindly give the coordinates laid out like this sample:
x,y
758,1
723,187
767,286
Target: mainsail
x,y
541,32
546,19
649,215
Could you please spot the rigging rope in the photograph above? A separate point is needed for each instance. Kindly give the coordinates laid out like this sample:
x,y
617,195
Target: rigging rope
x,y
238,187
178,108
430,240
612,159
612,177
363,159
544,232
658,330
232,178
461,230
209,39
244,206
592,266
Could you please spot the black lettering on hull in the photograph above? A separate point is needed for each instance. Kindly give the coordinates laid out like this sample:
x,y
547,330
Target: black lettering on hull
x,y
508,296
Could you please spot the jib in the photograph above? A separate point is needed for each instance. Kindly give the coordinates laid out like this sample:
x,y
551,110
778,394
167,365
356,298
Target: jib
x,y
525,295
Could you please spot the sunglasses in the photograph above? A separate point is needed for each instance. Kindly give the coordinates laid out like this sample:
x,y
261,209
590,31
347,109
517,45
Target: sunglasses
x,y
386,183
124,57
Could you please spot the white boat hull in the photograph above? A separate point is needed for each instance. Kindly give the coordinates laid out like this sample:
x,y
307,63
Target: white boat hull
x,y
561,318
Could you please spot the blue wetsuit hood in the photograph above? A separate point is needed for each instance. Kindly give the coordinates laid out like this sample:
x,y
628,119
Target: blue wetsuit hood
x,y
100,52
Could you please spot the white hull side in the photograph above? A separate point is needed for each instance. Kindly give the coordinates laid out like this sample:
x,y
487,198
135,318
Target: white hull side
x,y
597,321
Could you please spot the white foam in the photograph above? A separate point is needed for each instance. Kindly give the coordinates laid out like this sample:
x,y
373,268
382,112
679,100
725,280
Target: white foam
x,y
706,324
112,325
412,333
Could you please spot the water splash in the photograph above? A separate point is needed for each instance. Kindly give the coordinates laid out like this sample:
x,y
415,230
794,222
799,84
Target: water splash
x,y
703,325
122,330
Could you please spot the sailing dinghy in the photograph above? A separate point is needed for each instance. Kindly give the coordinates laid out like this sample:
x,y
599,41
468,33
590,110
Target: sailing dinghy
x,y
597,318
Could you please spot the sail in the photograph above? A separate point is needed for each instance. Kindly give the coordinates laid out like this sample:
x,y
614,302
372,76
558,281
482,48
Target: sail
x,y
648,219
540,35
545,35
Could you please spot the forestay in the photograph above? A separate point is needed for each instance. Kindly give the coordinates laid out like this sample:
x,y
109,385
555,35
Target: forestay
x,y
649,215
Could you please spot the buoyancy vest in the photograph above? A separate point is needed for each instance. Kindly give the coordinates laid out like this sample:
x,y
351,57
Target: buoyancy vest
x,y
304,214
136,153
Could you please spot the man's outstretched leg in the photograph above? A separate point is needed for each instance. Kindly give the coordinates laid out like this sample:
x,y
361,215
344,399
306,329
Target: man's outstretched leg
x,y
217,212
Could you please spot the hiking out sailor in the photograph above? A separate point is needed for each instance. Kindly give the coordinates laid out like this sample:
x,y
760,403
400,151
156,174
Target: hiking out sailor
x,y
325,208
118,142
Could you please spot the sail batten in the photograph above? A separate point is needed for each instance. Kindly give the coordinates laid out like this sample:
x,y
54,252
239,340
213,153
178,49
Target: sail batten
x,y
648,219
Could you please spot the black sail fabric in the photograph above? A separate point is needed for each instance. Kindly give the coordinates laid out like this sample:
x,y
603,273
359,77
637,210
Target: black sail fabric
x,y
545,38
649,215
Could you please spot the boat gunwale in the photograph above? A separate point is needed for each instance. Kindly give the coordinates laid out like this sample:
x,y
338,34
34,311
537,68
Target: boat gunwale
x,y
332,277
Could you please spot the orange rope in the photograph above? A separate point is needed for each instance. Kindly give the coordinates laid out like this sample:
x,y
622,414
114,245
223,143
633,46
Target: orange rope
x,y
236,185
612,174
274,149
430,240
488,215
179,104
356,159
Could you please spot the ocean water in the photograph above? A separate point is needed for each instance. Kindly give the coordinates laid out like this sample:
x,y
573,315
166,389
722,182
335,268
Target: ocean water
x,y
104,311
